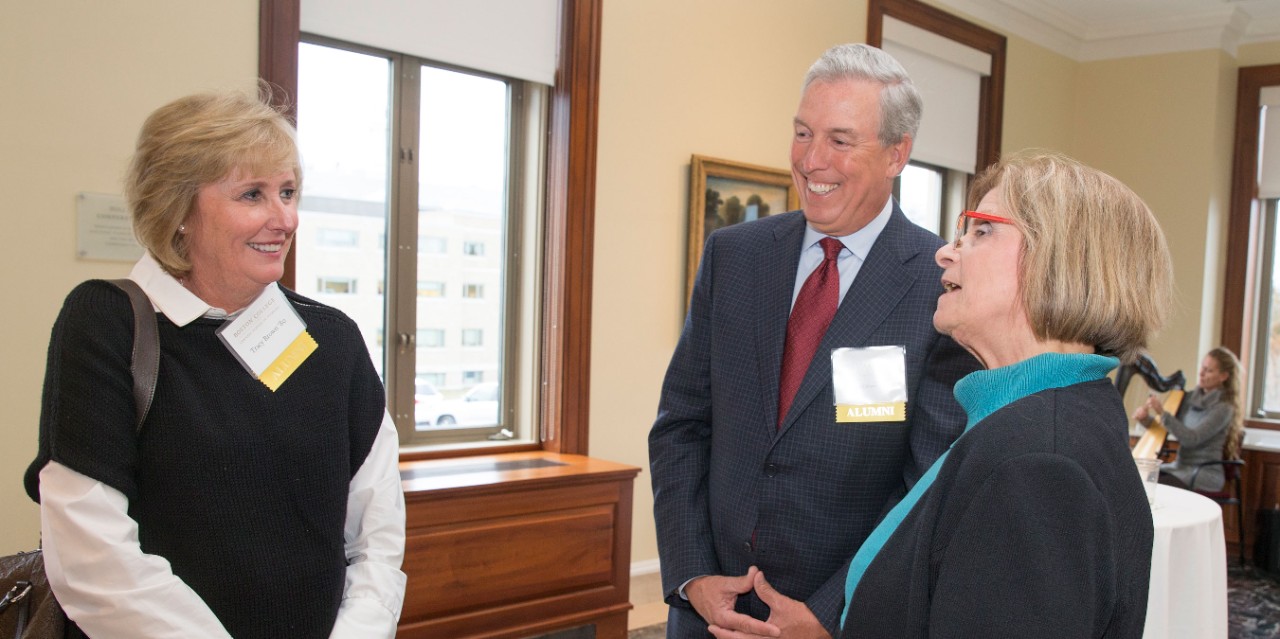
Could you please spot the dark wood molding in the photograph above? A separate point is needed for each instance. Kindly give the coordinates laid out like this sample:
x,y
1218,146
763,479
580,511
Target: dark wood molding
x,y
1242,216
991,96
570,207
570,229
279,25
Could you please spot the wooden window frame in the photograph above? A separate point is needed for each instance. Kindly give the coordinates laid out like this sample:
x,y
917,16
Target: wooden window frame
x,y
565,367
991,89
1244,216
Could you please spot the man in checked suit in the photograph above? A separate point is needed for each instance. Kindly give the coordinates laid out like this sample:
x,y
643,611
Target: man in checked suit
x,y
759,508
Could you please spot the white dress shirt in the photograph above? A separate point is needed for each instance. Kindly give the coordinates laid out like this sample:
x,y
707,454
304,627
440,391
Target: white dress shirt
x,y
856,247
112,589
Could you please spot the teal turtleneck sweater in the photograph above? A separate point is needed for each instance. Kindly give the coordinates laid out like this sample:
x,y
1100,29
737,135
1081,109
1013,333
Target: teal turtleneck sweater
x,y
982,393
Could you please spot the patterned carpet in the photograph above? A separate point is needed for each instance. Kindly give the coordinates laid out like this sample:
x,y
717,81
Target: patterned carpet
x,y
1253,600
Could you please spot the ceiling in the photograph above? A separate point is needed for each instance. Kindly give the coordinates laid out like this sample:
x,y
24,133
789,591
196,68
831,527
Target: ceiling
x,y
1087,30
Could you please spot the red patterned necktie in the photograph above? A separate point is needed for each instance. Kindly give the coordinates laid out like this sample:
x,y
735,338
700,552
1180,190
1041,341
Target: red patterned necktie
x,y
815,306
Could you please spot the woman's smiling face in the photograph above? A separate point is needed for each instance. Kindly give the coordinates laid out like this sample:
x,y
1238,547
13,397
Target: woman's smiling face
x,y
238,236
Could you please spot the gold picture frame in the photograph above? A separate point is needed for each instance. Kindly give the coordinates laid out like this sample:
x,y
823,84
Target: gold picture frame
x,y
735,185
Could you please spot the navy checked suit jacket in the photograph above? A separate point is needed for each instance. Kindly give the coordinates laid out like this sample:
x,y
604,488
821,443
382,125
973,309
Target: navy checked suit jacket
x,y
731,488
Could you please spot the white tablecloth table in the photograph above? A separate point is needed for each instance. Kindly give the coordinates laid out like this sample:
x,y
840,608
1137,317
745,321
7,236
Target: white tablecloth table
x,y
1188,568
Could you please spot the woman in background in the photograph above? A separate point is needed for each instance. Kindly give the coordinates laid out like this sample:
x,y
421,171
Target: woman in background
x,y
1208,424
237,510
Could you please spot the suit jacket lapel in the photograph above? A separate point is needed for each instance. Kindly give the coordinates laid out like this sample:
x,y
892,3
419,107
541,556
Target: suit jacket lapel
x,y
880,285
776,273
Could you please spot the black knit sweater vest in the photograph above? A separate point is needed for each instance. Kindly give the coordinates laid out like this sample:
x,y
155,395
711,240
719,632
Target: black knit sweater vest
x,y
243,490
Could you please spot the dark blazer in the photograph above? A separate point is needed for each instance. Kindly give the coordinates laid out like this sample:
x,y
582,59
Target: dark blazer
x,y
731,488
1037,526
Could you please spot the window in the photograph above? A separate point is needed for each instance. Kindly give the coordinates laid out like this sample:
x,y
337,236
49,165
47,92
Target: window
x,y
338,285
337,238
430,289
559,288
931,196
433,244
1251,291
914,32
430,337
453,159
1266,338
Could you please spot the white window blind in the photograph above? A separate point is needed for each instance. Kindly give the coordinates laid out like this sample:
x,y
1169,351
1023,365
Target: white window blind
x,y
948,75
1269,151
515,38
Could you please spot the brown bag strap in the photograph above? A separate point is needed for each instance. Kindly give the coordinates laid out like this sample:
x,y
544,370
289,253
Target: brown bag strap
x,y
146,347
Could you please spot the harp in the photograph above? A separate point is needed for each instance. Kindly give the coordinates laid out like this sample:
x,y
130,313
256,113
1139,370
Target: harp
x,y
1152,441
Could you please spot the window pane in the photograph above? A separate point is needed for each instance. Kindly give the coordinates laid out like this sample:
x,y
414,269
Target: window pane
x,y
344,137
430,289
430,338
474,212
337,238
433,244
921,195
1268,337
462,202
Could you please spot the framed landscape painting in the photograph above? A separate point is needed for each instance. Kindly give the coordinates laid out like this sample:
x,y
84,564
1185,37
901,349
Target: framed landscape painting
x,y
723,192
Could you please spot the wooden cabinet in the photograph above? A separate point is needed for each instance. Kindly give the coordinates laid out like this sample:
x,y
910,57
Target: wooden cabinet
x,y
516,545
1261,490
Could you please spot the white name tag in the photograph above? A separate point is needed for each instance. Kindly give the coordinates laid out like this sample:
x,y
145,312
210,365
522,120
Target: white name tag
x,y
870,383
269,338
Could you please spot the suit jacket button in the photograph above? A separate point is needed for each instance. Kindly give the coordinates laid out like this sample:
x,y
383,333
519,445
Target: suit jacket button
x,y
746,545
770,470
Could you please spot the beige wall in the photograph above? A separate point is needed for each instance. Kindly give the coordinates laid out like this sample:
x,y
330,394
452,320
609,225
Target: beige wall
x,y
79,78
715,77
1039,102
1155,123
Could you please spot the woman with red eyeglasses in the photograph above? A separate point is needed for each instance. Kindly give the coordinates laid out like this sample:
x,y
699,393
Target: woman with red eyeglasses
x,y
1034,523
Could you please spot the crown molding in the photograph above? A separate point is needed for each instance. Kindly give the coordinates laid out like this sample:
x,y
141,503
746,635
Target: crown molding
x,y
1222,27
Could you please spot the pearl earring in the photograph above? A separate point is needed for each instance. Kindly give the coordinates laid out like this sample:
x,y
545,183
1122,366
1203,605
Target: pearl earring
x,y
182,228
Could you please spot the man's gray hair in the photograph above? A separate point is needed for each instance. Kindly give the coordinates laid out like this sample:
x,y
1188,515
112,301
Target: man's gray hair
x,y
900,103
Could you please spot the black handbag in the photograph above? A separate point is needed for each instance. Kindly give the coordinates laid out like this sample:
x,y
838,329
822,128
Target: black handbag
x,y
28,609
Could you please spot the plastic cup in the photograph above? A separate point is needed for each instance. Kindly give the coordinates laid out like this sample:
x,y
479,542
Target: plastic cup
x,y
1149,470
